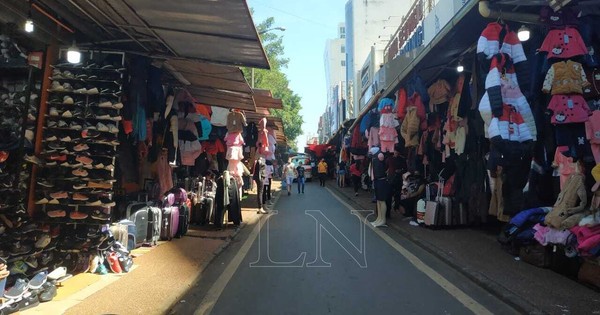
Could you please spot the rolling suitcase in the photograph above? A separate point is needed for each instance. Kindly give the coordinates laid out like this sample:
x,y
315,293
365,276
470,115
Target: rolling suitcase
x,y
170,223
154,225
138,214
131,242
184,221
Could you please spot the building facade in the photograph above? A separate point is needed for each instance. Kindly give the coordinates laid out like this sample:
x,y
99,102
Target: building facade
x,y
369,26
335,77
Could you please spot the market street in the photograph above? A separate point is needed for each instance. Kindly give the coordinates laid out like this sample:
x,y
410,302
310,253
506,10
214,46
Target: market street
x,y
393,276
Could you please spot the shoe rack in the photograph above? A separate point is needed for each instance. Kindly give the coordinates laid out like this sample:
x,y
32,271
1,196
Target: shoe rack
x,y
74,184
19,103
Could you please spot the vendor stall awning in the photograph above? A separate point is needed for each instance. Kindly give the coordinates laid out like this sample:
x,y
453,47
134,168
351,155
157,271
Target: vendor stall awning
x,y
216,85
264,98
221,32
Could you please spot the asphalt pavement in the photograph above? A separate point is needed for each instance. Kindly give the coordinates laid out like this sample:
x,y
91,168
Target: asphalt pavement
x,y
312,255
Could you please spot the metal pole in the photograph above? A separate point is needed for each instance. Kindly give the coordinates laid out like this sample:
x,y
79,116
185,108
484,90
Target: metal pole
x,y
252,78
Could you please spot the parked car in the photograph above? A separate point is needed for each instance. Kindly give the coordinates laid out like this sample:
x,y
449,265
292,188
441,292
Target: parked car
x,y
304,160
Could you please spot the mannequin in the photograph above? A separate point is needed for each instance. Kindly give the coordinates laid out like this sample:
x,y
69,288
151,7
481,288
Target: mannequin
x,y
382,189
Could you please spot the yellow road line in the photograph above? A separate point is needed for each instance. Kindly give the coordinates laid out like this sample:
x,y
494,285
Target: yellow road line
x,y
457,293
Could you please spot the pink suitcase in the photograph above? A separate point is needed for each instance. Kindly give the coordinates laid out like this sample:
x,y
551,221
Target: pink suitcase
x,y
170,223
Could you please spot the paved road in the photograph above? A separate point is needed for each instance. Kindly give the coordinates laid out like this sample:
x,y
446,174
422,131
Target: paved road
x,y
383,274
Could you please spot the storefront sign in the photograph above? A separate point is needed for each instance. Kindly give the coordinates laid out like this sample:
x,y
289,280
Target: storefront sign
x,y
35,59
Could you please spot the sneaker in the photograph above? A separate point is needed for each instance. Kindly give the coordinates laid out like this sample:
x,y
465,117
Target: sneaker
x,y
53,202
67,87
68,75
84,159
79,186
77,215
59,195
48,293
109,167
113,262
112,128
57,157
43,241
56,74
99,185
44,183
57,146
57,273
43,201
75,126
32,262
81,90
80,147
104,103
93,91
67,114
62,124
66,139
67,100
89,134
33,159
56,87
99,215
80,172
18,289
56,213
53,112
19,249
80,197
101,126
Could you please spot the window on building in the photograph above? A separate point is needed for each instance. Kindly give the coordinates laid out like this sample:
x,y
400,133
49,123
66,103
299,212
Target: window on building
x,y
343,63
342,32
343,49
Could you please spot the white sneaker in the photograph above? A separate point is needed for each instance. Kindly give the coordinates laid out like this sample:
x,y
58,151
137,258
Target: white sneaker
x,y
112,128
67,100
102,127
56,87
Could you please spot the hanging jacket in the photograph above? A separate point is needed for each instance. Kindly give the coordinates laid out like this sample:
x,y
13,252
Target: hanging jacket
x,y
416,101
592,128
565,77
251,134
488,47
401,100
236,122
439,92
410,128
510,126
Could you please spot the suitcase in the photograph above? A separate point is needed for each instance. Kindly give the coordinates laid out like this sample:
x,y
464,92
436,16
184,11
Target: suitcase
x,y
446,211
170,223
435,214
589,273
138,213
131,227
462,216
154,225
184,221
536,255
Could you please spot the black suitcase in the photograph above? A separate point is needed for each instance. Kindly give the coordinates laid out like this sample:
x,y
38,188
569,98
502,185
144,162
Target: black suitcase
x,y
184,221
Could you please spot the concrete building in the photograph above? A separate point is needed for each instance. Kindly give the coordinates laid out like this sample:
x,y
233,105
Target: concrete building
x,y
369,26
335,77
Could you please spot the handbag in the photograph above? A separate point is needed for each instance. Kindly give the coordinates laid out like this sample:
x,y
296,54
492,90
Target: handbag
x,y
536,255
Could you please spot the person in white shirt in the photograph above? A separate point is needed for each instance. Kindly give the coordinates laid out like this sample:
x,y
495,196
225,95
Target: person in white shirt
x,y
269,170
289,171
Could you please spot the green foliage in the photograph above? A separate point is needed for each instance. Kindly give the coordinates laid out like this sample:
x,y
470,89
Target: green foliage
x,y
276,81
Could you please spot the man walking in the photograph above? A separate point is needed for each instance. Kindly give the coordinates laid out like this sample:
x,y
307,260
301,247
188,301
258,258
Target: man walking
x,y
300,177
322,168
289,173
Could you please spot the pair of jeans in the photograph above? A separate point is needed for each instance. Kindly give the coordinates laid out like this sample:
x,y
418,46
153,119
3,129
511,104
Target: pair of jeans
x,y
259,193
322,177
266,195
356,183
301,180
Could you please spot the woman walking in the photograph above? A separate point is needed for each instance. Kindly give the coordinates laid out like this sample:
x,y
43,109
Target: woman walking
x,y
322,167
355,173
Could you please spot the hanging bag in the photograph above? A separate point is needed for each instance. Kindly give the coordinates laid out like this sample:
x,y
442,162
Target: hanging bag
x,y
445,204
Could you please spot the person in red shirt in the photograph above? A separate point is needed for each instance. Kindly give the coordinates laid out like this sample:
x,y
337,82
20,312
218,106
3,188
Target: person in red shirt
x,y
356,173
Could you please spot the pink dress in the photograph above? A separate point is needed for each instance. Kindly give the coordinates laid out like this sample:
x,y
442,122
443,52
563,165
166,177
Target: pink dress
x,y
564,44
565,165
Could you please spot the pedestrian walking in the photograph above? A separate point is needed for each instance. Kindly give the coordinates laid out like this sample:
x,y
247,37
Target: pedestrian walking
x,y
259,175
300,178
269,171
290,173
322,169
341,173
355,174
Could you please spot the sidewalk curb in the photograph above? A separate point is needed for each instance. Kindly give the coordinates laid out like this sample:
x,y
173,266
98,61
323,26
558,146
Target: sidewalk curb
x,y
505,295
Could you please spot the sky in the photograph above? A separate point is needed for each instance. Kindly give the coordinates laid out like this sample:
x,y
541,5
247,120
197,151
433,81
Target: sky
x,y
308,23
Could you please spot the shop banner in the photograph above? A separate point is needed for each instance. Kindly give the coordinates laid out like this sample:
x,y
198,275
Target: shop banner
x,y
35,59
